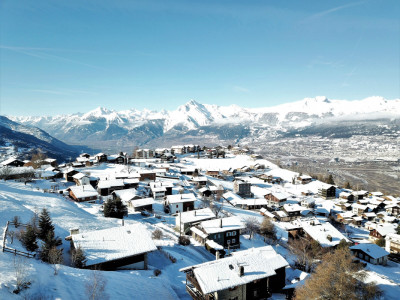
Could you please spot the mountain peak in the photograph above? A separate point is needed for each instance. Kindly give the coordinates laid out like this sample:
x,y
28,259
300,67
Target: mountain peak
x,y
97,112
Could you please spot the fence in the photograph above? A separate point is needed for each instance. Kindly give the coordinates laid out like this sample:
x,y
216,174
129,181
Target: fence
x,y
11,250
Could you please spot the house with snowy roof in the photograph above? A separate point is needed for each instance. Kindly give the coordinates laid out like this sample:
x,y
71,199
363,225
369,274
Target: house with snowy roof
x,y
124,247
82,193
224,231
160,189
12,162
101,157
276,198
371,253
81,179
250,274
381,231
179,203
392,243
186,220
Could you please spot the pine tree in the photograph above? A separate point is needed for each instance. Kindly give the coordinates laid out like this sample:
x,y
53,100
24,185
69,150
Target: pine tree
x,y
45,224
115,209
29,239
330,180
50,242
78,258
347,185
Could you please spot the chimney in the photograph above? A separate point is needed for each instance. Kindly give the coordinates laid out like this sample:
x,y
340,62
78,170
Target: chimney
x,y
220,223
194,212
123,223
217,255
241,271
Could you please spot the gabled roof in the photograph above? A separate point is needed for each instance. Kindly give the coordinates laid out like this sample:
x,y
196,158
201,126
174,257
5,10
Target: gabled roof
x,y
125,195
372,250
196,215
83,191
214,226
180,198
221,274
114,243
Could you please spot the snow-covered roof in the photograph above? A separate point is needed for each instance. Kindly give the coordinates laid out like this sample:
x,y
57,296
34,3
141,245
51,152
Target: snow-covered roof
x,y
198,232
214,245
292,207
142,202
267,213
385,229
199,179
319,231
196,215
114,243
180,198
372,250
254,201
79,176
224,273
106,184
83,191
126,195
230,223
8,161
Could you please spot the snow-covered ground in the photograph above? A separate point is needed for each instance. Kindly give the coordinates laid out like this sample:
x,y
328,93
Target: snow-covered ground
x,y
17,199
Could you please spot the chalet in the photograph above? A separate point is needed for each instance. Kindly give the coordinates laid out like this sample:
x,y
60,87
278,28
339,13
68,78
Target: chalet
x,y
117,159
212,173
381,231
130,183
82,193
124,247
77,164
371,253
255,203
369,216
242,188
347,196
276,198
293,210
106,187
327,191
359,195
69,173
51,161
147,175
188,171
126,195
188,219
304,179
12,162
167,157
308,202
322,232
161,189
178,150
392,244
250,274
85,155
225,232
25,173
81,179
142,204
179,203
267,214
359,209
281,216
393,209
200,180
345,217
101,157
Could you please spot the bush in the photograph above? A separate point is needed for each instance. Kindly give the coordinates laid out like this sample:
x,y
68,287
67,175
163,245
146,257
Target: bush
x,y
157,272
184,240
157,234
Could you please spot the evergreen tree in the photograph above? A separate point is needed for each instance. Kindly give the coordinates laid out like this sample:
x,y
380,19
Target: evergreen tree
x,y
29,239
115,209
347,185
78,258
45,224
330,180
50,242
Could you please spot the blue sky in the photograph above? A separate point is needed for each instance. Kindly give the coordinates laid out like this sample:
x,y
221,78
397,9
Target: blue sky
x,y
71,56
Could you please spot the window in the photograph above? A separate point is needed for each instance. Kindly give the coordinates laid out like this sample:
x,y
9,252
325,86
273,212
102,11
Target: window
x,y
228,234
233,241
234,233
229,242
177,206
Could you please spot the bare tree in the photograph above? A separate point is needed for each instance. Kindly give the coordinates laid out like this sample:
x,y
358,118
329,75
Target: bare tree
x,y
267,229
96,286
307,253
55,259
157,234
21,274
216,208
252,226
11,235
5,173
17,221
338,277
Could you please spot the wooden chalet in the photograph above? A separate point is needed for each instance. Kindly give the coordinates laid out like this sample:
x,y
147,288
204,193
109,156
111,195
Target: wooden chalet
x,y
69,173
83,193
371,253
124,247
12,162
276,198
249,274
101,157
188,219
327,191
179,203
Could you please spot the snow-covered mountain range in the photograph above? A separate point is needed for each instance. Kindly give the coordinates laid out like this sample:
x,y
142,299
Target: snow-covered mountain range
x,y
106,128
